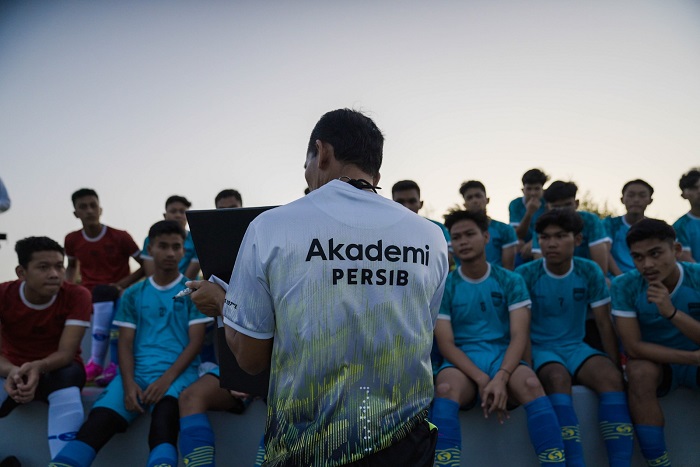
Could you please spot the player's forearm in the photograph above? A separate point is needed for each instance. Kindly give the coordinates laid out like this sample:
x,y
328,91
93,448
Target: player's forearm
x,y
183,361
192,270
508,257
458,358
71,272
131,278
660,354
689,326
599,254
5,367
126,358
608,337
524,227
612,265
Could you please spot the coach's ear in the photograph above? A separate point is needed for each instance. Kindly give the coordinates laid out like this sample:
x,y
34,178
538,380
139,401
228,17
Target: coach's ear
x,y
325,154
375,182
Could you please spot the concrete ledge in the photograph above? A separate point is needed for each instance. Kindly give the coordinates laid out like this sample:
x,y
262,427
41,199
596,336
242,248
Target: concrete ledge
x,y
485,442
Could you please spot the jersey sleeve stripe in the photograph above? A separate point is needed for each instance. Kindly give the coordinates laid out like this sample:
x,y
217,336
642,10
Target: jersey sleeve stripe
x,y
507,245
624,314
248,332
604,301
602,240
200,320
125,324
522,304
445,317
77,322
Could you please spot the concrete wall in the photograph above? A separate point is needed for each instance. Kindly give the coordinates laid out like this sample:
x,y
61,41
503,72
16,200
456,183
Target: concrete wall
x,y
485,442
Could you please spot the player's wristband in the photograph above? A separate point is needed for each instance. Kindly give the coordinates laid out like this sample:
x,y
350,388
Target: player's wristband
x,y
675,310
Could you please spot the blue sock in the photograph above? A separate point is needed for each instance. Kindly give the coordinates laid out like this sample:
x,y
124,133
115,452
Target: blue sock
x,y
165,454
448,451
616,428
653,445
260,454
76,454
545,433
568,421
197,440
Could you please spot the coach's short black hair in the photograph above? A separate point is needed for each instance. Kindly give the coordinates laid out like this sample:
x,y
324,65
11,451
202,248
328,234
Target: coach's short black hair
x,y
650,228
355,139
559,190
478,217
535,177
177,199
471,184
638,181
228,193
81,193
26,247
164,228
689,179
568,220
403,185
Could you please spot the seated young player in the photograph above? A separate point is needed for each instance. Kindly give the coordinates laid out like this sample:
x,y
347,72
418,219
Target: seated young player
x,y
525,210
688,226
594,240
42,321
636,197
100,255
482,330
658,319
503,241
159,342
563,287
175,209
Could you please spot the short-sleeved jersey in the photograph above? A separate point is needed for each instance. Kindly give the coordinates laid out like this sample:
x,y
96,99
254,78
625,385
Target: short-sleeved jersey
x,y
688,234
500,236
31,332
190,253
161,325
479,309
103,259
616,228
349,284
629,300
560,303
517,210
593,234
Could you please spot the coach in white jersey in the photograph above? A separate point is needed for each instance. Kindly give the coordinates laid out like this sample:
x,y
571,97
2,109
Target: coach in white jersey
x,y
339,292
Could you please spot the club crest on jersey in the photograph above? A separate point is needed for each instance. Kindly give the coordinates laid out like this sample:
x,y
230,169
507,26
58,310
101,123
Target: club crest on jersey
x,y
579,294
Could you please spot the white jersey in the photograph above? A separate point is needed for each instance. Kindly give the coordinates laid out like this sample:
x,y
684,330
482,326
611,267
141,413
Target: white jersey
x,y
349,285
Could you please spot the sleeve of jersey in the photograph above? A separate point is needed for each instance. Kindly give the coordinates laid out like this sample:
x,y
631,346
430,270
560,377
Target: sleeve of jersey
x,y
509,236
622,291
598,289
518,296
126,313
446,301
536,245
130,247
80,308
681,234
597,231
248,307
514,216
144,252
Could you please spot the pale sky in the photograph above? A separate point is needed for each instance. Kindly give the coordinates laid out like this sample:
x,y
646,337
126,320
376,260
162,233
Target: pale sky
x,y
142,100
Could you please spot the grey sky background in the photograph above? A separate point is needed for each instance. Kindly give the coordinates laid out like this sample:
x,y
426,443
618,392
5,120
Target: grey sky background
x,y
142,100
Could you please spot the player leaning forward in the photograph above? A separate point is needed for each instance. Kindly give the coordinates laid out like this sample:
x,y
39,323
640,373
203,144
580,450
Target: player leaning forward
x,y
339,292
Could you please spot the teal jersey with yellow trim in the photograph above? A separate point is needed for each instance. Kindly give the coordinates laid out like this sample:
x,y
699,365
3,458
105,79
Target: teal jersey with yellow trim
x,y
478,309
593,233
500,236
688,234
629,300
560,303
617,228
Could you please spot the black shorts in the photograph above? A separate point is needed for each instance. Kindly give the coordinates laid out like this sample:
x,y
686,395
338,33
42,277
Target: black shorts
x,y
415,450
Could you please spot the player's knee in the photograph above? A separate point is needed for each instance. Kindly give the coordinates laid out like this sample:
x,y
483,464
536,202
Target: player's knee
x,y
189,402
443,390
556,379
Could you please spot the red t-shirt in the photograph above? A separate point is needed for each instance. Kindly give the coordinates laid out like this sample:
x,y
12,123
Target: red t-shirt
x,y
31,332
103,259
